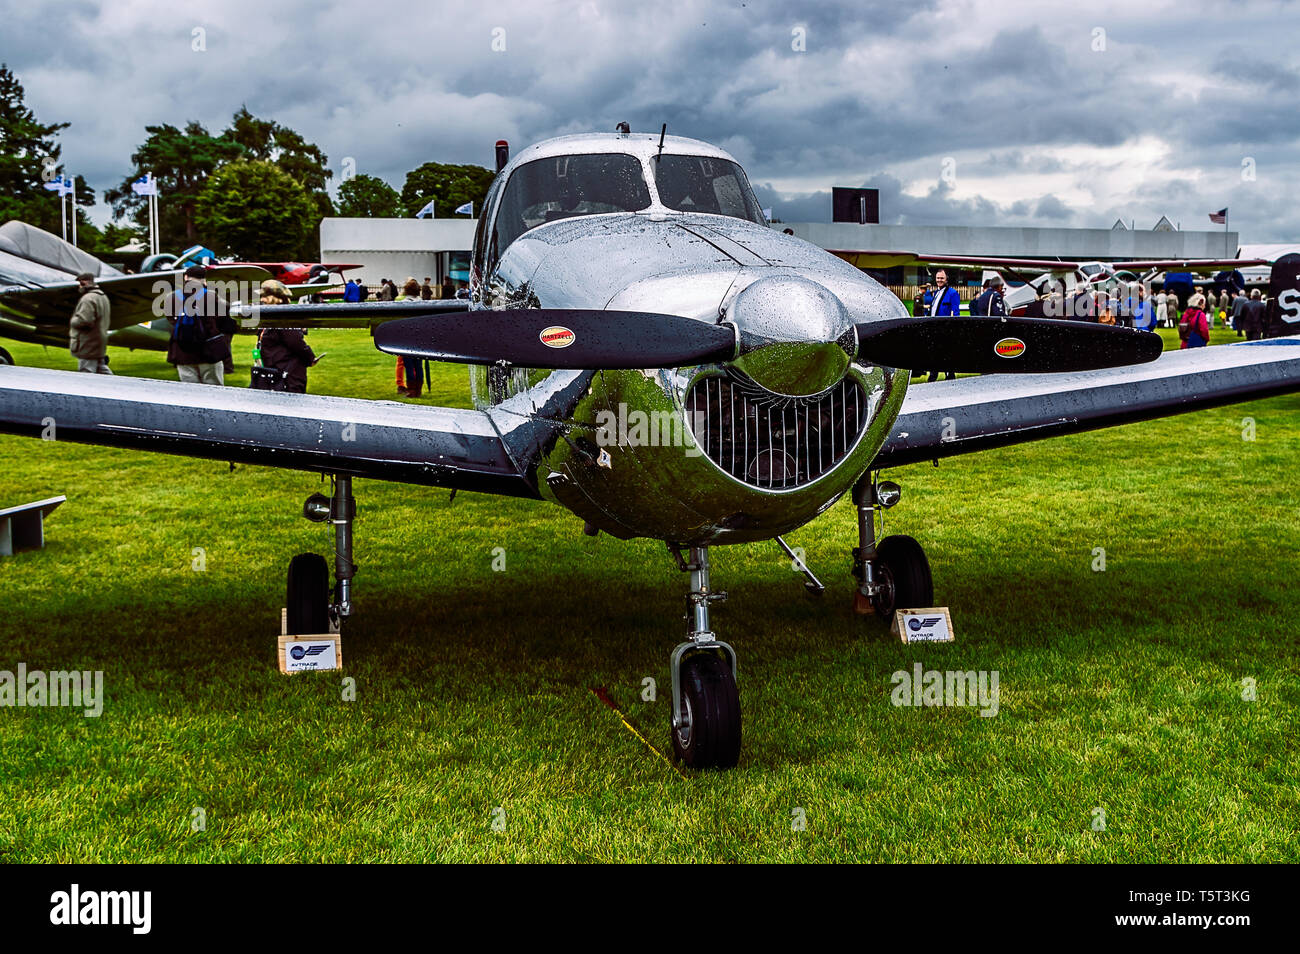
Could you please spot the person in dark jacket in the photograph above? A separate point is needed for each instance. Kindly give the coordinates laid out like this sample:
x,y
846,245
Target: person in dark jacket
x,y
285,349
448,287
1239,300
88,328
426,290
990,304
199,357
1252,316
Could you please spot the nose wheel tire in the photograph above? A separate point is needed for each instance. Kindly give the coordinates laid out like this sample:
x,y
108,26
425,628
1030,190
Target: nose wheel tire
x,y
308,597
904,574
708,731
5,357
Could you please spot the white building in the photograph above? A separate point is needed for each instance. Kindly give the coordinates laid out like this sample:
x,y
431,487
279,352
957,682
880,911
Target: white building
x,y
399,248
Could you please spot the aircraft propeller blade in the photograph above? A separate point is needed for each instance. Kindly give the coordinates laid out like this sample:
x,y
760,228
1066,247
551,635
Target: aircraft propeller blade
x,y
559,338
1003,345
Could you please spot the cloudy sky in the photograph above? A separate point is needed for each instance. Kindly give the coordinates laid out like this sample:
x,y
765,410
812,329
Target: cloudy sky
x,y
960,111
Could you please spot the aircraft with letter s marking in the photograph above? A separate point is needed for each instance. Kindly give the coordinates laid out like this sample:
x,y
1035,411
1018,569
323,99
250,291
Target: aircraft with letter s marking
x,y
620,273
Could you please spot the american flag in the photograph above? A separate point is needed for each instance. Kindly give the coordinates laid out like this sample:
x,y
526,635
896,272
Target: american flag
x,y
1220,217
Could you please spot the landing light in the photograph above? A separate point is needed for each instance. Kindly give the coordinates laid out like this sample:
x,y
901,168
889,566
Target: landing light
x,y
888,493
317,508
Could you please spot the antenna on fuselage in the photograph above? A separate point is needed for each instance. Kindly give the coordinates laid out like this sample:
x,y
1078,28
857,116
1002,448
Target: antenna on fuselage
x,y
662,132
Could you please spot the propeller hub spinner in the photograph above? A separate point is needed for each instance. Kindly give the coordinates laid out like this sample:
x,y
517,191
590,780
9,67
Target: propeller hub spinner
x,y
795,337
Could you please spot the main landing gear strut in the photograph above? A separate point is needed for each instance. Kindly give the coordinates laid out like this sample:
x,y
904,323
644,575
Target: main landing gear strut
x,y
706,703
312,610
895,573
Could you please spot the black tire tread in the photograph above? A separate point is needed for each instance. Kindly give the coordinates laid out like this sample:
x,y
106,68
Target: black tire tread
x,y
907,563
308,595
715,733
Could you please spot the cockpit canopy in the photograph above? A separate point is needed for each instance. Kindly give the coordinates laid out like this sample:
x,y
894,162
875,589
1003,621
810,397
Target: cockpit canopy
x,y
706,184
560,187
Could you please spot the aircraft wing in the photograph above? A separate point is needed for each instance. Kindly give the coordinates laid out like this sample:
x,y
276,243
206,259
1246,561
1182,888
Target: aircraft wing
x,y
889,259
948,418
1206,265
365,314
277,266
1036,266
302,291
131,297
384,440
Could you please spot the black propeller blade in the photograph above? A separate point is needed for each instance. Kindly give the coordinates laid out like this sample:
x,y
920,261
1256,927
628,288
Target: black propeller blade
x,y
559,338
1003,345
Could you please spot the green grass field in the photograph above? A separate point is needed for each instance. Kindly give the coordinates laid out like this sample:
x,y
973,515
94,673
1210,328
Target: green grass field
x,y
1121,690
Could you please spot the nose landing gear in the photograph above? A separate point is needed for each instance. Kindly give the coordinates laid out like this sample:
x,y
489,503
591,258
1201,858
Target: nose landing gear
x,y
895,573
706,704
311,610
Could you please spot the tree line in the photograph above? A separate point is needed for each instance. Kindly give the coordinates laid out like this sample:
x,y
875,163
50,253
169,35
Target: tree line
x,y
257,190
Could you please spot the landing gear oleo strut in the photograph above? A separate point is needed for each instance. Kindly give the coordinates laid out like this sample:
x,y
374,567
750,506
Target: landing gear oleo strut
x,y
311,610
706,703
894,573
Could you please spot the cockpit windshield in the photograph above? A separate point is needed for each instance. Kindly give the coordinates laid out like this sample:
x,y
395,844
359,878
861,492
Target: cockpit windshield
x,y
560,187
706,184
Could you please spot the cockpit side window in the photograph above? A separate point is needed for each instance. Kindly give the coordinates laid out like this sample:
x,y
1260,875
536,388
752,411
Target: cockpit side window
x,y
559,187
478,267
706,184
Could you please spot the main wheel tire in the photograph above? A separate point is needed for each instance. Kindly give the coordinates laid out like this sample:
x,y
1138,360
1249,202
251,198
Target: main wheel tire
x,y
308,597
905,574
709,733
6,358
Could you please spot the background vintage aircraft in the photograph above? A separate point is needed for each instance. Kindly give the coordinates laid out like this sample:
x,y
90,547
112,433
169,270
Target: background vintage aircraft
x,y
291,273
38,291
1100,276
622,274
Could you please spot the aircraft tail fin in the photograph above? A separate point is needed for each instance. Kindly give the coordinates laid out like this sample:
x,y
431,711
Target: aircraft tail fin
x,y
1282,316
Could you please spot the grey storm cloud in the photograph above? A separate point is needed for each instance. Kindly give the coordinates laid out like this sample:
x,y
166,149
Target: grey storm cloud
x,y
807,95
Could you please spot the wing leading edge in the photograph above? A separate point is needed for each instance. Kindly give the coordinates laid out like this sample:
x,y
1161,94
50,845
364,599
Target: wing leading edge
x,y
948,418
384,440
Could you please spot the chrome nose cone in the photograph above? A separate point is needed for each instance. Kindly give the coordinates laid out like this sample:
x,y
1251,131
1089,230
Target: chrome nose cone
x,y
795,336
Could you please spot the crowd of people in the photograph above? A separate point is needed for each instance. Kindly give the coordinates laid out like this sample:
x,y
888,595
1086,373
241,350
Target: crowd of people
x,y
201,332
1124,305
354,291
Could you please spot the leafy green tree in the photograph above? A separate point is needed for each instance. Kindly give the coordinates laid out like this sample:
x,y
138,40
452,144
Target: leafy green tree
x,y
28,159
270,142
450,186
367,197
181,161
256,211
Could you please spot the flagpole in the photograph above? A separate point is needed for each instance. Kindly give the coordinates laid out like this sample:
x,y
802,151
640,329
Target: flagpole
x,y
74,210
63,213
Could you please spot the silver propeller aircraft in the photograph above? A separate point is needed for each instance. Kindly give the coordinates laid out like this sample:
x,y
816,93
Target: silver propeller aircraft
x,y
622,279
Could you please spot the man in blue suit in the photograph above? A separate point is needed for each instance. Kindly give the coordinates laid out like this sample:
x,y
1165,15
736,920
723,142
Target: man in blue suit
x,y
946,302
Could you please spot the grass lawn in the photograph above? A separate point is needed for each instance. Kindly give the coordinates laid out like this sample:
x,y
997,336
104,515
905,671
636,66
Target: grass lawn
x,y
1120,690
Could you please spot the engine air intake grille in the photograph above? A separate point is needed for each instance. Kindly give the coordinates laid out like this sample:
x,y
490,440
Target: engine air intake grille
x,y
770,441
